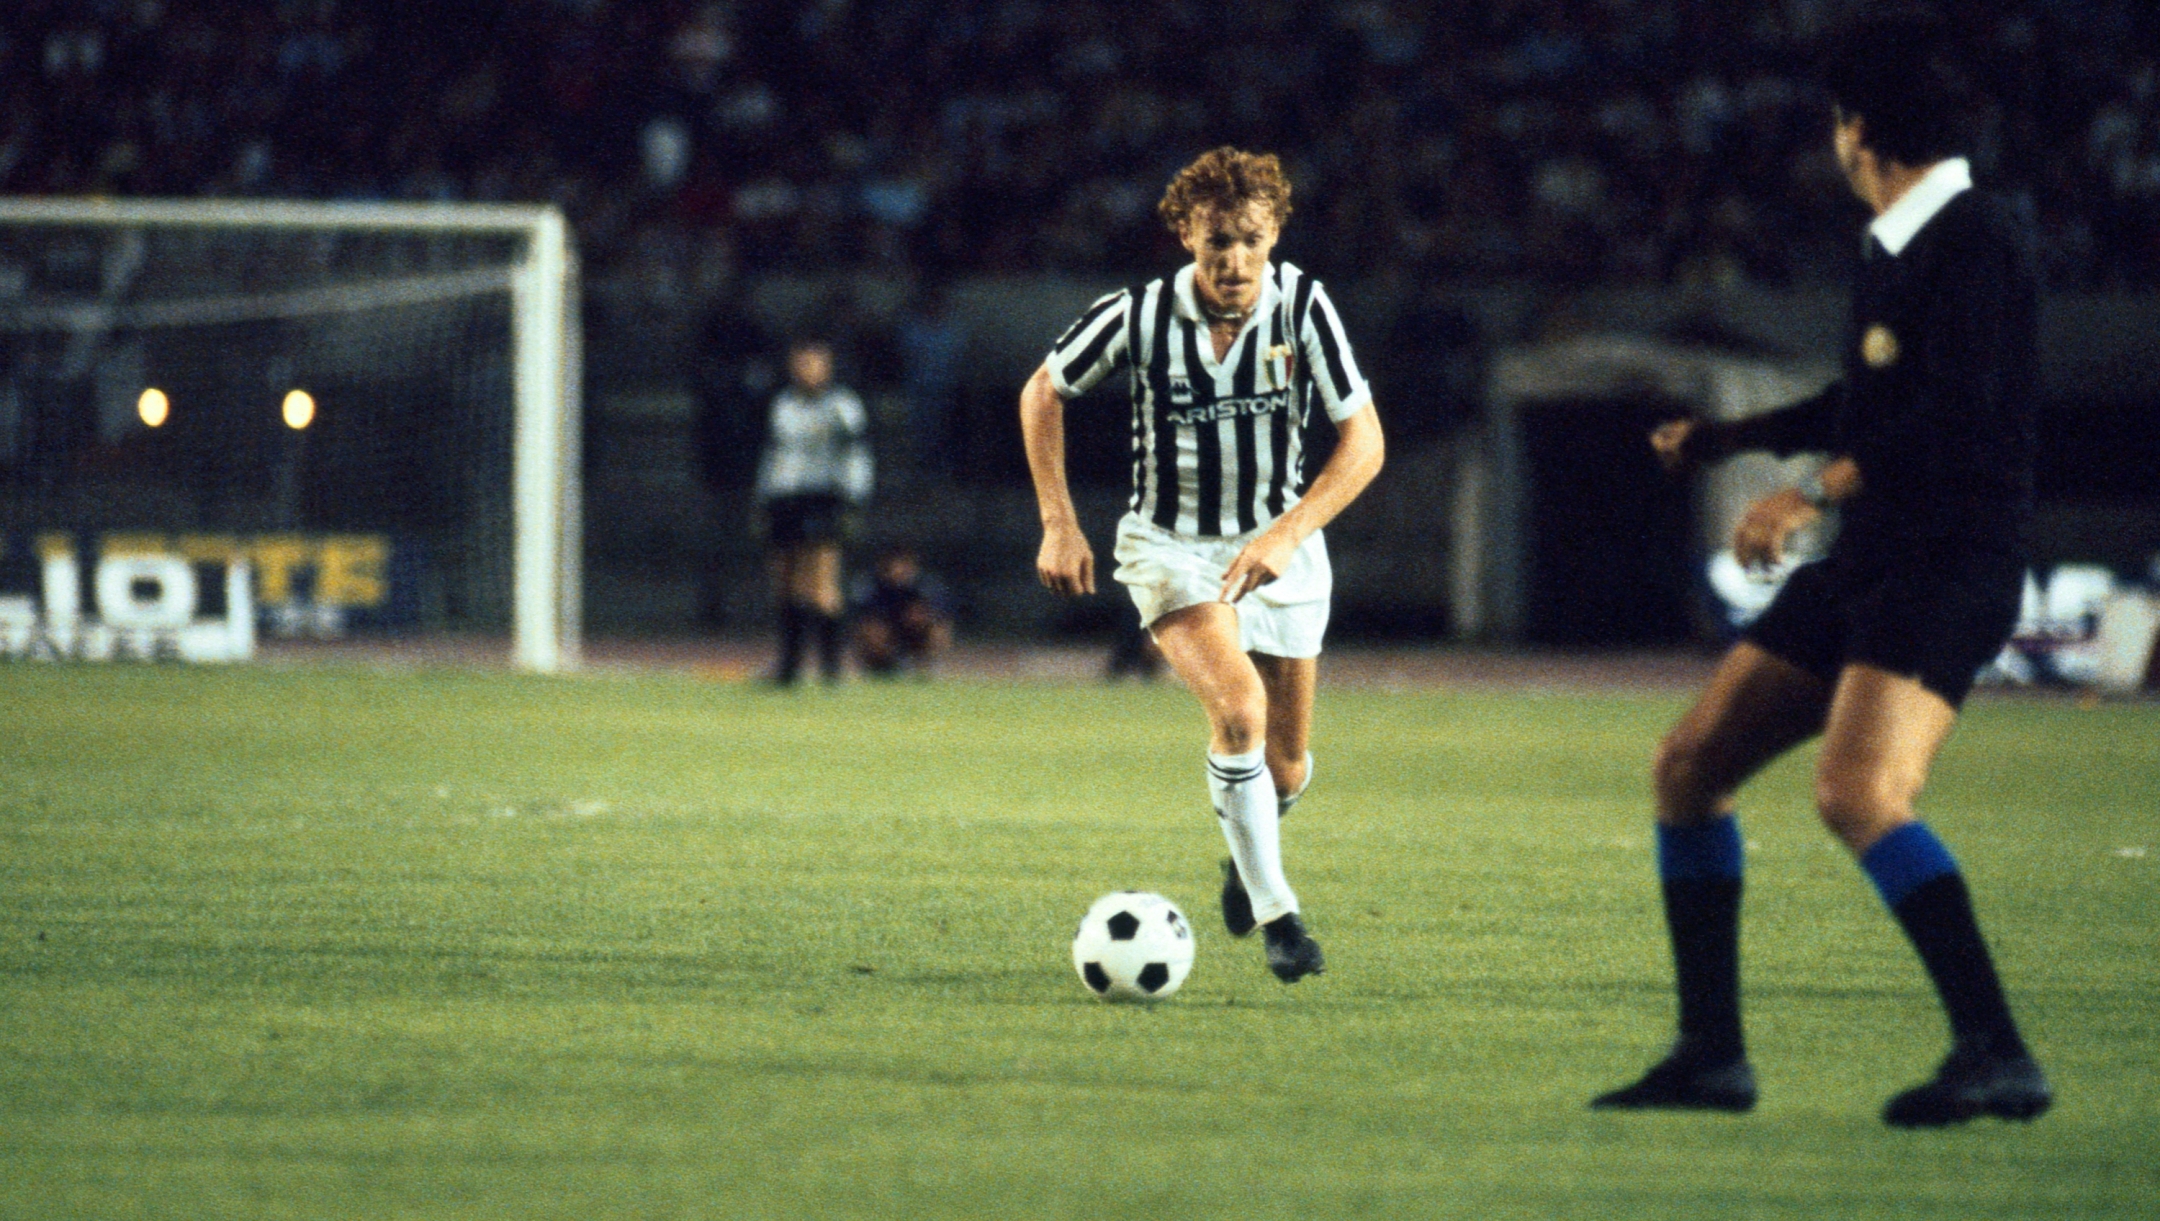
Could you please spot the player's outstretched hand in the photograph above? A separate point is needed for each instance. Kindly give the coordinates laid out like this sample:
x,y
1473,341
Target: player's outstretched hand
x,y
1263,559
1759,541
1066,564
1669,442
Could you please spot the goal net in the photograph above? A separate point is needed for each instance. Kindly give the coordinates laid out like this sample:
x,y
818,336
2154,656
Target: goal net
x,y
368,411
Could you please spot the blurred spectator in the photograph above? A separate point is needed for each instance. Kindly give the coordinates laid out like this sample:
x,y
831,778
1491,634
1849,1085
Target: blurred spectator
x,y
903,617
733,376
1431,368
932,344
1621,140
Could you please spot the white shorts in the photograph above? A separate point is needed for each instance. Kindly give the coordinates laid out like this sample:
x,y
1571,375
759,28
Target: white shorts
x,y
1167,571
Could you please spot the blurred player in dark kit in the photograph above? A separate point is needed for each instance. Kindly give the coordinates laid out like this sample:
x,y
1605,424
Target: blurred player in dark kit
x,y
1930,435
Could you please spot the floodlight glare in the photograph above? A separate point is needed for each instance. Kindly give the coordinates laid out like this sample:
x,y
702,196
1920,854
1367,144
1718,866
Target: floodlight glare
x,y
299,409
153,407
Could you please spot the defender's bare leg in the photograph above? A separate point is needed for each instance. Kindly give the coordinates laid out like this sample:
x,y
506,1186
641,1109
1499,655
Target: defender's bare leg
x,y
1755,708
1883,735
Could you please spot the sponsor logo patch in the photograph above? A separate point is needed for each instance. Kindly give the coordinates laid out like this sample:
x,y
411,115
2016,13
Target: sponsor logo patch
x,y
1231,408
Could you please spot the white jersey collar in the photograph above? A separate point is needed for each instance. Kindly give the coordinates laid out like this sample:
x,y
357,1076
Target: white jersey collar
x,y
1188,299
1896,227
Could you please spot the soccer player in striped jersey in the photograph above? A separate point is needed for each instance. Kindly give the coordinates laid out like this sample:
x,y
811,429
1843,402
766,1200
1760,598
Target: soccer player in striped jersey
x,y
1221,549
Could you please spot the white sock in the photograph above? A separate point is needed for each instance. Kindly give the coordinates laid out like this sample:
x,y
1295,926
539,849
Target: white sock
x,y
1245,799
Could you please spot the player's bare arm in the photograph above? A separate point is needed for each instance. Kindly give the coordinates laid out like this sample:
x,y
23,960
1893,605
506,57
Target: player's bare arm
x,y
1760,538
1360,450
1065,563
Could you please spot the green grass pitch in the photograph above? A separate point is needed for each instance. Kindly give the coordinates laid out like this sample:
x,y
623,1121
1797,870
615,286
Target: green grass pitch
x,y
319,943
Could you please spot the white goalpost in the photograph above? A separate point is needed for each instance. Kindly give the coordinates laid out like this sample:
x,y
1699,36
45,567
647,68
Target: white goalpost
x,y
447,332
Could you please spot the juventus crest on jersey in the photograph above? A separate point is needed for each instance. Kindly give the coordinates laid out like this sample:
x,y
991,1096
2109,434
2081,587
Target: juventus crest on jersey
x,y
1217,445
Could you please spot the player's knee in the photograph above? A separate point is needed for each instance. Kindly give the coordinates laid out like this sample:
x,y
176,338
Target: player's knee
x,y
1676,771
1239,734
1851,804
1241,721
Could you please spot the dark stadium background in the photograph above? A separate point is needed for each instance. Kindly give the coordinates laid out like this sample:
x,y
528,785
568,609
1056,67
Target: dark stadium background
x,y
1470,177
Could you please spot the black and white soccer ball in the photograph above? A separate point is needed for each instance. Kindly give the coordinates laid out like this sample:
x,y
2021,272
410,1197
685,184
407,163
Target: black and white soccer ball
x,y
1133,946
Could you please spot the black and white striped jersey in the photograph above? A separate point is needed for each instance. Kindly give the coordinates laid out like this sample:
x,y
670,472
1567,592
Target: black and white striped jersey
x,y
1217,447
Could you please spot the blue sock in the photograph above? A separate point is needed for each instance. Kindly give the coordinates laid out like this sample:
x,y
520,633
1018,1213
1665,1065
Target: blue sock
x,y
1904,860
1711,850
1924,890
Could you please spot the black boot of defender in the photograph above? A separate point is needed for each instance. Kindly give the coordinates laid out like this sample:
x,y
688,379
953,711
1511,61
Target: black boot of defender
x,y
1237,914
1686,1081
1972,1082
1290,953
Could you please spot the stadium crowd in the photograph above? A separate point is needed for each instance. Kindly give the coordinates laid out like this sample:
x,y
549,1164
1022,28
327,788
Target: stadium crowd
x,y
1642,141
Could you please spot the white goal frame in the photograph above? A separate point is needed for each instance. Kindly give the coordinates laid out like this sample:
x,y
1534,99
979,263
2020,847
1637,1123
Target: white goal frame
x,y
547,363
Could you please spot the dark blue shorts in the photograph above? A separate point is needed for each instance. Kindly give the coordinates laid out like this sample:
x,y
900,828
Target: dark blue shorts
x,y
1939,625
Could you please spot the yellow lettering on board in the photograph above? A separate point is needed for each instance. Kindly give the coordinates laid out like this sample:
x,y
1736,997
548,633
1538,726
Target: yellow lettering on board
x,y
275,556
131,546
55,546
349,570
209,548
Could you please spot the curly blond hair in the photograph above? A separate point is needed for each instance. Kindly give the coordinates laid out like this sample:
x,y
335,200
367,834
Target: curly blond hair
x,y
1226,178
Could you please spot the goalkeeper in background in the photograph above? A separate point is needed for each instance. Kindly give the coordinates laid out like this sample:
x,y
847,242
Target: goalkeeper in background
x,y
814,473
